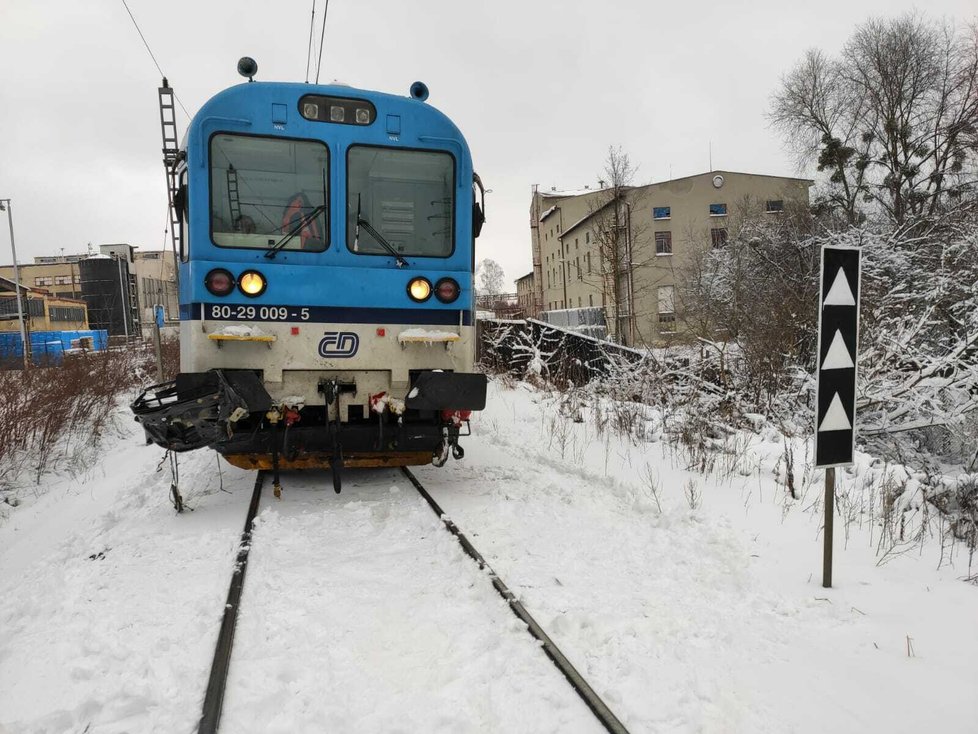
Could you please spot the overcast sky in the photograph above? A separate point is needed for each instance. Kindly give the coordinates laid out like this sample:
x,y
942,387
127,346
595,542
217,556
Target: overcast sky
x,y
540,90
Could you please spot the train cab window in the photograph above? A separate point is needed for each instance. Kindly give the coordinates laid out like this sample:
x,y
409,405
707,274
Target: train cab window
x,y
407,196
269,193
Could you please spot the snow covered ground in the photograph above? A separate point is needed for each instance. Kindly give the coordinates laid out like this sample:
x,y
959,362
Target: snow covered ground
x,y
361,614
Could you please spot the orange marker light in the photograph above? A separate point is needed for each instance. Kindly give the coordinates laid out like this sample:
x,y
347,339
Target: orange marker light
x,y
295,331
381,332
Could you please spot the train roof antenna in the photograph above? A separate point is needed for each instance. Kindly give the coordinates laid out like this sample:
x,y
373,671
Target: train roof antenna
x,y
322,37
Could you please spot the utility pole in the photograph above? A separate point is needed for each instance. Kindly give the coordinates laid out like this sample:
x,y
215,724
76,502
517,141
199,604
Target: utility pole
x,y
5,204
125,300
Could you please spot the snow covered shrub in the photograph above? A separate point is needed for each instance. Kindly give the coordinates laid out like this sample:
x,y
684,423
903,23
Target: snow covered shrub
x,y
750,304
919,338
170,349
54,417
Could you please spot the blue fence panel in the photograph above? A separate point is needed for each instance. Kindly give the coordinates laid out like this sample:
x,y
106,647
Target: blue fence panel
x,y
48,347
11,346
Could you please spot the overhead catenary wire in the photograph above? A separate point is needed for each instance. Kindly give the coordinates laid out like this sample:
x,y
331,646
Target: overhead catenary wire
x,y
312,24
152,55
322,37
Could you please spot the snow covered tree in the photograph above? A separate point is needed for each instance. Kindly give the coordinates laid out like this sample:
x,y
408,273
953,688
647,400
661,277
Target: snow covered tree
x,y
893,121
757,295
919,341
614,233
491,278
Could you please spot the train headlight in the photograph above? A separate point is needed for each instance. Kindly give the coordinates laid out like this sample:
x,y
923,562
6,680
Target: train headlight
x,y
219,281
252,283
419,289
446,290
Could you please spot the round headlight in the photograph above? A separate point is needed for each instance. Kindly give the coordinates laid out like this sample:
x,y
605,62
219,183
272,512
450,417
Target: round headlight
x,y
446,290
219,282
252,283
419,289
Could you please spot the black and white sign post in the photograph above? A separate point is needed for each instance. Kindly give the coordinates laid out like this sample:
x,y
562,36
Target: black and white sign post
x,y
835,401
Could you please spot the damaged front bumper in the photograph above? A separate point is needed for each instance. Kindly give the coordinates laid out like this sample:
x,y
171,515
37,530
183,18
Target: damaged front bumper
x,y
232,412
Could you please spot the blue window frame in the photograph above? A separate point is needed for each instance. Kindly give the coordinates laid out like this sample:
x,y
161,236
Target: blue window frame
x,y
661,212
718,210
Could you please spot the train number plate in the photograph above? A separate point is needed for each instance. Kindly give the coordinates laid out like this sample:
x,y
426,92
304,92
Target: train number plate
x,y
233,312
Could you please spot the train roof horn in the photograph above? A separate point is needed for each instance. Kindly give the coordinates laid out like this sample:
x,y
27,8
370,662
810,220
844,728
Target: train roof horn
x,y
247,67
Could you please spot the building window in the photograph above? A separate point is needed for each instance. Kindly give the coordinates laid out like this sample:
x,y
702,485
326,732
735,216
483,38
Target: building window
x,y
43,281
578,301
575,243
718,210
62,280
718,236
661,212
663,243
588,263
77,280
580,273
667,306
587,238
59,313
775,206
590,299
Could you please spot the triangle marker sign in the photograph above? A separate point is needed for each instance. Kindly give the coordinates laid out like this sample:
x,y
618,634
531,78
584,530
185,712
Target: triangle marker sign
x,y
840,294
838,357
835,417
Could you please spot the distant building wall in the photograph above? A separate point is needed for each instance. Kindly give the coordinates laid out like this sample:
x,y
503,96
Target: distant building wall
x,y
110,292
526,296
667,223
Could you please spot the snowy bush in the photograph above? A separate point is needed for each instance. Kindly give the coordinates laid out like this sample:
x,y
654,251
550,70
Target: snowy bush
x,y
54,418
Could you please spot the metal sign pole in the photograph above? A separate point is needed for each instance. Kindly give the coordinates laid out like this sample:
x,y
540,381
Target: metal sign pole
x,y
835,392
157,322
829,519
5,204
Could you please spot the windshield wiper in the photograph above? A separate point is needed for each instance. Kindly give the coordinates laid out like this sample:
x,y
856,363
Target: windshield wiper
x,y
295,230
361,222
303,221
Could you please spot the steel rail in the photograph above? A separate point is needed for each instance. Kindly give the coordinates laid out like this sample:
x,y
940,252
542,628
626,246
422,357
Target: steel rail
x,y
598,707
214,698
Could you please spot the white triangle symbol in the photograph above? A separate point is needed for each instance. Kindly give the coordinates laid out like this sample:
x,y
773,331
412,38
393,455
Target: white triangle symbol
x,y
835,417
840,294
838,357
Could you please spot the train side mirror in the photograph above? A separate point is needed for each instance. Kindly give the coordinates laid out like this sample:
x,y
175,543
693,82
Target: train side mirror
x,y
180,201
478,219
478,206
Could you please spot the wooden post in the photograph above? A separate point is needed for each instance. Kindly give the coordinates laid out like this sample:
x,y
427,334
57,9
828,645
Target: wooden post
x,y
829,518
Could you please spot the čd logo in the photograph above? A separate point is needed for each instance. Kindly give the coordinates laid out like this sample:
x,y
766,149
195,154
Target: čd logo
x,y
339,344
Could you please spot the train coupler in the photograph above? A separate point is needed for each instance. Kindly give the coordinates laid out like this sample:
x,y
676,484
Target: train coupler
x,y
274,416
331,390
449,446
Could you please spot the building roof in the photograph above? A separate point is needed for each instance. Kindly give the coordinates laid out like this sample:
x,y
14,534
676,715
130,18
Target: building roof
x,y
524,277
570,192
9,285
549,211
583,219
735,173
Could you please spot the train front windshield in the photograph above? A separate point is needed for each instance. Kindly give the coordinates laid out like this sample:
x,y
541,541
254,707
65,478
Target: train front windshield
x,y
408,196
269,192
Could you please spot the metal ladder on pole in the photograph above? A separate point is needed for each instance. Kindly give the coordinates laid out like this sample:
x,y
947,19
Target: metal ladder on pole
x,y
171,156
234,199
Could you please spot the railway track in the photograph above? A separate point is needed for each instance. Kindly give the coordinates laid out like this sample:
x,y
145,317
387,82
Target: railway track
x,y
217,683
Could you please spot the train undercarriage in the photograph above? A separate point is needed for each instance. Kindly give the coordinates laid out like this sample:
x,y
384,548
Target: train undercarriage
x,y
231,412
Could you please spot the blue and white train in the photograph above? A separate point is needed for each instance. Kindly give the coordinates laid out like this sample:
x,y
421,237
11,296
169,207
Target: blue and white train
x,y
326,281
